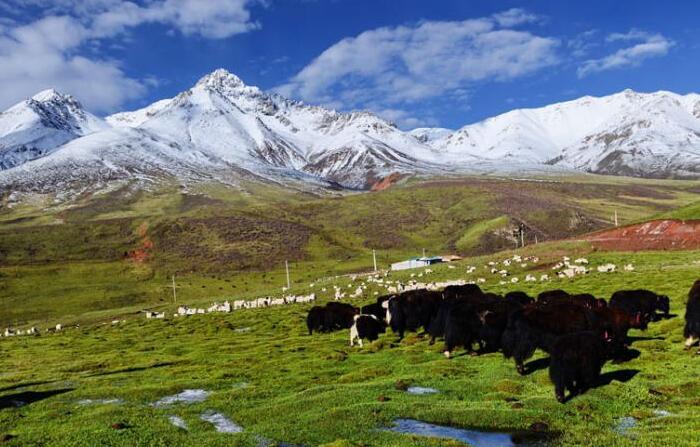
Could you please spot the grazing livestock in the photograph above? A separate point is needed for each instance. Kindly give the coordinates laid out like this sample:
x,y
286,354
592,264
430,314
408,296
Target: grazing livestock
x,y
315,319
462,291
641,301
691,332
616,323
478,323
519,297
376,308
537,326
332,317
411,310
560,296
552,296
452,296
366,326
460,327
575,362
606,268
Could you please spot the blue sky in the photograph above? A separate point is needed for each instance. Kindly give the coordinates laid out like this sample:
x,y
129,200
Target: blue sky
x,y
419,63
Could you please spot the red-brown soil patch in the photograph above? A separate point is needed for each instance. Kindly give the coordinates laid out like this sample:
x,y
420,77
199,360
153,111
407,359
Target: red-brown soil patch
x,y
665,234
142,253
385,182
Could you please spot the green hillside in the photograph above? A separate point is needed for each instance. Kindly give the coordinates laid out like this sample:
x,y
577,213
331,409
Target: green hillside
x,y
116,252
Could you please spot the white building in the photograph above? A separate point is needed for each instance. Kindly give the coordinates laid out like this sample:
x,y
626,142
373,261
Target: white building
x,y
416,263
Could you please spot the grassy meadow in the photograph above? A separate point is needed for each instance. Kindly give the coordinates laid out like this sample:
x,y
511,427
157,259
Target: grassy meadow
x,y
111,257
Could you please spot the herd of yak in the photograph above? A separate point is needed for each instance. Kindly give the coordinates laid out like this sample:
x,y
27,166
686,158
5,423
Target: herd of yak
x,y
580,332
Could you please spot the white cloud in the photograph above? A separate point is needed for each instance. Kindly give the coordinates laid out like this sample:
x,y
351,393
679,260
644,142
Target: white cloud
x,y
53,52
582,43
211,19
405,119
648,45
404,64
515,16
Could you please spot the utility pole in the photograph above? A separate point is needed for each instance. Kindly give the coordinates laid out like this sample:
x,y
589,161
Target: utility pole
x,y
374,258
522,236
174,292
286,267
615,217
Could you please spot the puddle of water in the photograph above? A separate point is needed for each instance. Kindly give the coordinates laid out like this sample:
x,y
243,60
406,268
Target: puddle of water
x,y
474,438
178,422
99,401
187,396
624,425
221,422
421,390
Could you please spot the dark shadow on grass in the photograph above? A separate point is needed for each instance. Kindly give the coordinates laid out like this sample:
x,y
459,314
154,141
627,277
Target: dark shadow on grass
x,y
621,375
132,369
626,356
28,397
26,384
536,365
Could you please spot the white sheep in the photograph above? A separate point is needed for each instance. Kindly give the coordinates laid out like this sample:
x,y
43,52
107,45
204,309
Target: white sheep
x,y
606,268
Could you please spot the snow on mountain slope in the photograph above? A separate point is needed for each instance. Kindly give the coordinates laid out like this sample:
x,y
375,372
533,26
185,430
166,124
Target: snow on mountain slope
x,y
223,130
651,135
429,134
243,125
35,127
137,117
529,135
222,125
628,133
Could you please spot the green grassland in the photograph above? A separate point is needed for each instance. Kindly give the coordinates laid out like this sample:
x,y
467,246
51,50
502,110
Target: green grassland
x,y
280,384
109,256
75,262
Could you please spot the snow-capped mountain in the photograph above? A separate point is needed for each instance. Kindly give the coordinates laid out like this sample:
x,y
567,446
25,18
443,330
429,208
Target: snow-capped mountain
x,y
628,133
653,135
220,128
429,134
41,124
223,130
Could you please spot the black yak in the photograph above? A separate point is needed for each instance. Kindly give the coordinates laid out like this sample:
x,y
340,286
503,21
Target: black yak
x,y
332,317
641,301
411,310
691,332
537,326
366,326
575,362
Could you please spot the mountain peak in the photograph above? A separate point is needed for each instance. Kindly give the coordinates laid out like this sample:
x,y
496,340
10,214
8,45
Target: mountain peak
x,y
221,78
49,95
